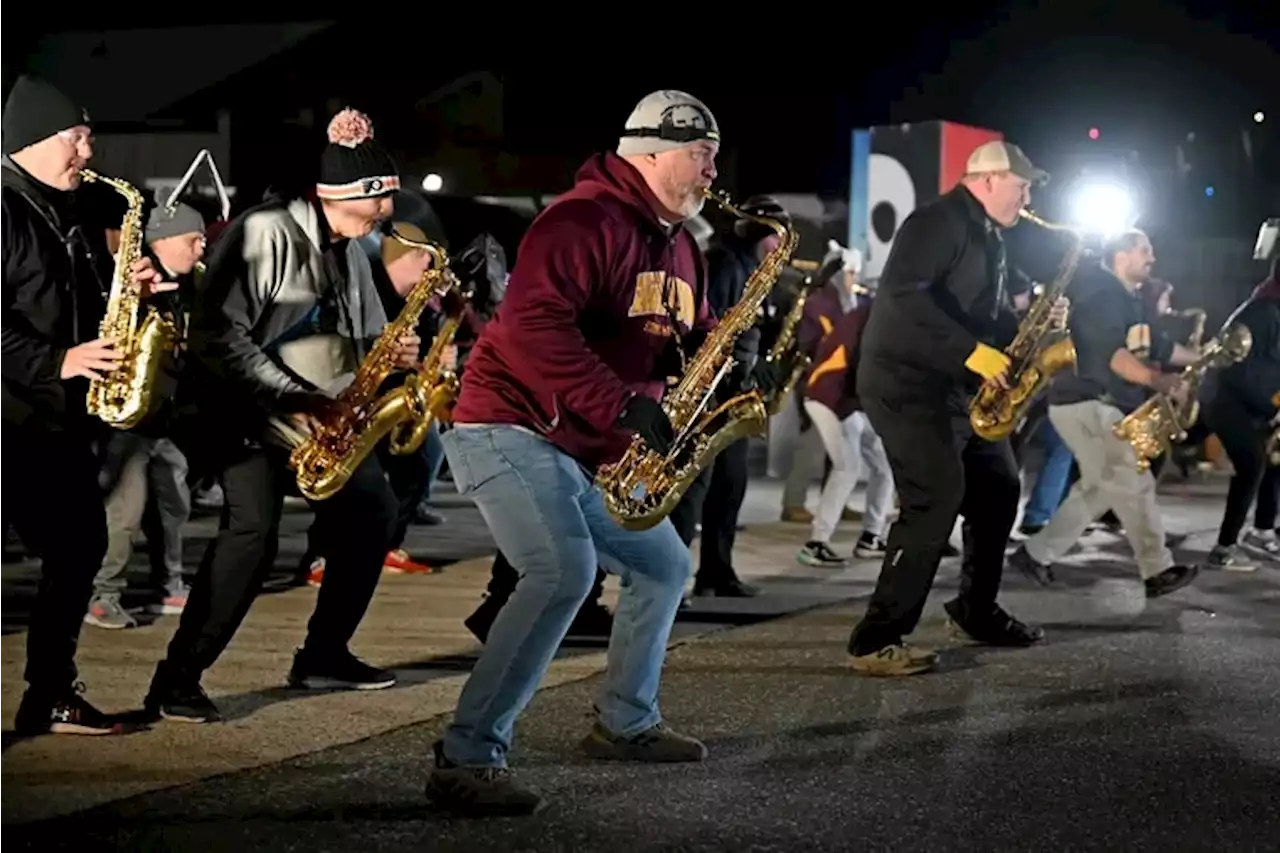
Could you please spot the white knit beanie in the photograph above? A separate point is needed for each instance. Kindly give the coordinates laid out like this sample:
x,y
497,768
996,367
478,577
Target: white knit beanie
x,y
666,120
850,259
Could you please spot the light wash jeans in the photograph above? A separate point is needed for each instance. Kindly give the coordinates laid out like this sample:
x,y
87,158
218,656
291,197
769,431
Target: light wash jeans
x,y
851,443
1050,489
550,522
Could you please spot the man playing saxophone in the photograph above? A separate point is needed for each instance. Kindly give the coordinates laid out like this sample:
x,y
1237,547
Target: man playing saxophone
x,y
287,312
607,280
942,314
54,301
1117,361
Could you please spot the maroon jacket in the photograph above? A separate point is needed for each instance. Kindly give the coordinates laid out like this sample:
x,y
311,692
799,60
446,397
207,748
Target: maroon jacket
x,y
822,310
832,379
597,284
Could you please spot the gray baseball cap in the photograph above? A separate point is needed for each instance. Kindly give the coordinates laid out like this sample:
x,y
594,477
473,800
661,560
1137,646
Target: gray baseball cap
x,y
999,156
666,120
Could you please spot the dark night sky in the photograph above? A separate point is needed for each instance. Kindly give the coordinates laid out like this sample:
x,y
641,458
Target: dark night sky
x,y
788,83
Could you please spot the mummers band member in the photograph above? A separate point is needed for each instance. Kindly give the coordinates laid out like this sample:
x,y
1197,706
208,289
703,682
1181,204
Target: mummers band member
x,y
1118,359
54,301
941,316
831,401
1240,405
145,461
607,279
716,496
287,312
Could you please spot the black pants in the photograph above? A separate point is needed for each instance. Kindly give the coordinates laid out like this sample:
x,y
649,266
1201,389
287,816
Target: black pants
x,y
503,577
1264,514
1244,440
715,498
51,492
352,530
941,470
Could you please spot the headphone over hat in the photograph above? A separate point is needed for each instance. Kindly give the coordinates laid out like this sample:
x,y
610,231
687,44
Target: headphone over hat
x,y
759,205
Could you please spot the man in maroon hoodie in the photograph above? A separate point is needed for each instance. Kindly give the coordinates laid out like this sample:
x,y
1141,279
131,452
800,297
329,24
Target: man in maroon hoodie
x,y
606,298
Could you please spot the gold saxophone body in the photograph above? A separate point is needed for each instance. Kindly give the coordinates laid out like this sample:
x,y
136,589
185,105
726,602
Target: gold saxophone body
x,y
1037,352
433,390
644,486
144,336
1164,420
786,353
326,459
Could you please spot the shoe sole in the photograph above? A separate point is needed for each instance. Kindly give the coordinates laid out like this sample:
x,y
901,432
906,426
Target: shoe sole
x,y
73,729
869,555
820,564
909,669
318,682
187,718
108,626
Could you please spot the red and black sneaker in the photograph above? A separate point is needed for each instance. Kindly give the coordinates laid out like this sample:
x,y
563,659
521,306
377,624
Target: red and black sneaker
x,y
68,714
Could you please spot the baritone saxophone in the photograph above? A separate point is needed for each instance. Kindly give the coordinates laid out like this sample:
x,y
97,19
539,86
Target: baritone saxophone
x,y
144,336
644,486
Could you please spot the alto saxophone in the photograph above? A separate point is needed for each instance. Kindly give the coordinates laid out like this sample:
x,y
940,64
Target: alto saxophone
x,y
1164,419
432,390
143,335
1037,353
644,486
1198,318
785,350
327,458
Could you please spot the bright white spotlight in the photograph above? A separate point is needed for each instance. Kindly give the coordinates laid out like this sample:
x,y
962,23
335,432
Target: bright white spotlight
x,y
1259,117
1103,209
433,183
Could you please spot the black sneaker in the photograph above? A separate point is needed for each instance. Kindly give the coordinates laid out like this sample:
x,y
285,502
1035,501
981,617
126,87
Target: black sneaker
x,y
997,628
182,701
479,622
1030,528
869,547
68,714
1041,573
1170,580
339,670
1229,557
730,587
478,791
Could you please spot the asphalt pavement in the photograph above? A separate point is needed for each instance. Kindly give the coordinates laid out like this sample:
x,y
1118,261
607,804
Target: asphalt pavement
x,y
1135,726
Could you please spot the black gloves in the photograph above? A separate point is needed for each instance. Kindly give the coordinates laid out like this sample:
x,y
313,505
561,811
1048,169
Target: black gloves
x,y
766,376
644,416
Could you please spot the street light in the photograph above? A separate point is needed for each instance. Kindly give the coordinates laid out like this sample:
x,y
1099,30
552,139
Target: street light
x,y
433,183
1259,117
1102,208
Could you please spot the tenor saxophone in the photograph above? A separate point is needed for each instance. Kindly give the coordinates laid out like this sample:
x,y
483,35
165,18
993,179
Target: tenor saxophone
x,y
326,459
144,336
1039,350
644,486
1164,419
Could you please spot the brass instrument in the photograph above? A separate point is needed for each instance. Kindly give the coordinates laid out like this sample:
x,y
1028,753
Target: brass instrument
x,y
326,459
644,486
785,351
1164,419
143,335
1037,353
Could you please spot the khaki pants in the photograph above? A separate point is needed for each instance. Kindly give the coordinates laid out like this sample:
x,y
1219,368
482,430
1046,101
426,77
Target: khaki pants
x,y
1109,480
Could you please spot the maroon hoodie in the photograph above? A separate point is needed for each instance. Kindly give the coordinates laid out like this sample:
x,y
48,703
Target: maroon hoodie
x,y
832,379
597,283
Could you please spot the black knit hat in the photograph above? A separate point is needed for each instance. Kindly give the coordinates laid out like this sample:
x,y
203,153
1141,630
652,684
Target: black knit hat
x,y
353,165
34,111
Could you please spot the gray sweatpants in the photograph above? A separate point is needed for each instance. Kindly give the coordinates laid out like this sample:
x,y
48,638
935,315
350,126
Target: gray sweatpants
x,y
134,465
1109,480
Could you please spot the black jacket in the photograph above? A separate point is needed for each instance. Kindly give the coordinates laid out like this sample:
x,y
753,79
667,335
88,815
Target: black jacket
x,y
54,299
729,265
1252,384
943,290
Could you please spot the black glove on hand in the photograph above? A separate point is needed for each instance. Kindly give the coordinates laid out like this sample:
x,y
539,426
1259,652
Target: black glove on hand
x,y
644,416
766,376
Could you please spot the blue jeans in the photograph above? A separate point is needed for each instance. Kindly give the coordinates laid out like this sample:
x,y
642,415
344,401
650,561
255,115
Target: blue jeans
x,y
1051,486
550,522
